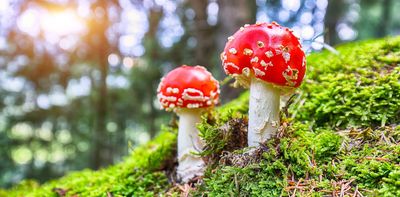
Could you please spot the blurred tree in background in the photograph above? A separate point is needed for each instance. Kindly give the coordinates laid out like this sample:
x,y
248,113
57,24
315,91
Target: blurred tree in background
x,y
79,78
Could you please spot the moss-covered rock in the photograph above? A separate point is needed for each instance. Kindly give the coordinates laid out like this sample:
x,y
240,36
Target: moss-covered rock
x,y
341,135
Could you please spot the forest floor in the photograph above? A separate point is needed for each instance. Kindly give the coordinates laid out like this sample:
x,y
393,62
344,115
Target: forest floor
x,y
339,136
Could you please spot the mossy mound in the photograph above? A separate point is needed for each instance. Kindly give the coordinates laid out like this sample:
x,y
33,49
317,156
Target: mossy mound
x,y
339,136
141,174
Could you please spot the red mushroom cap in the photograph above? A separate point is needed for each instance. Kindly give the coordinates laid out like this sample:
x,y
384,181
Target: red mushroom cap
x,y
269,52
188,87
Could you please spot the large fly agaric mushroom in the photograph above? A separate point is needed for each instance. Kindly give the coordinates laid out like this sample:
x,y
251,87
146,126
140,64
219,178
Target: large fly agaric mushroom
x,y
269,59
188,91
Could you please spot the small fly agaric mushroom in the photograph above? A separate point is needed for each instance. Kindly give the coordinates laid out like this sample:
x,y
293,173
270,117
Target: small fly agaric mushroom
x,y
269,59
188,91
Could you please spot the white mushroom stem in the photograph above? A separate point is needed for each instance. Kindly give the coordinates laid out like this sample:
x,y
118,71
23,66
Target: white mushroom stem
x,y
189,142
263,112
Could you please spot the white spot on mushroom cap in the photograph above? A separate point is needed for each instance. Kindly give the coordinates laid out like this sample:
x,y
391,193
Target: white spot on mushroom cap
x,y
195,95
247,51
167,98
258,72
226,69
192,94
269,54
254,59
290,75
180,102
232,51
226,64
167,102
223,56
193,105
264,64
230,38
214,94
286,56
169,89
189,94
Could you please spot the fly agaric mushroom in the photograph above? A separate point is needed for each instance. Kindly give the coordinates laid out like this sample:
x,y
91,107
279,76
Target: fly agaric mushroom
x,y
188,91
268,59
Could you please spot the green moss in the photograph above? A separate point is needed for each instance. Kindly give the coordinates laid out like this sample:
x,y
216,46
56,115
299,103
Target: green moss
x,y
342,135
321,161
391,184
342,100
359,87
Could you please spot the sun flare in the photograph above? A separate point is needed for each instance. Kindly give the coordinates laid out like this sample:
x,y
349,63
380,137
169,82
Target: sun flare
x,y
53,24
61,23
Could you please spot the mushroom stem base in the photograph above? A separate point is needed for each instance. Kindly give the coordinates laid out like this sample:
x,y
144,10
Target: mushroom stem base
x,y
189,143
263,112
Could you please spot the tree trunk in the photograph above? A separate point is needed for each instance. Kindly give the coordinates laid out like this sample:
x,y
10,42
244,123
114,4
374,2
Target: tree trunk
x,y
152,54
204,34
334,12
101,141
383,26
121,144
102,154
152,120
